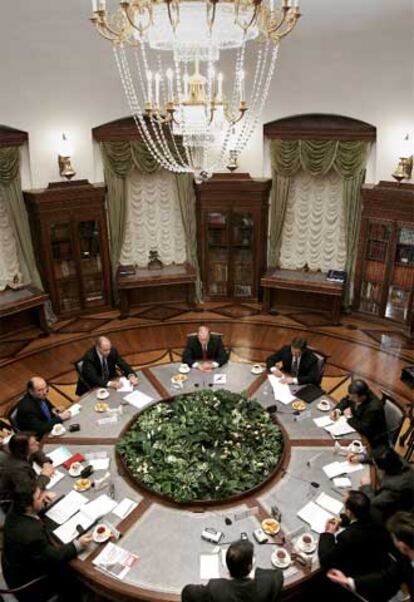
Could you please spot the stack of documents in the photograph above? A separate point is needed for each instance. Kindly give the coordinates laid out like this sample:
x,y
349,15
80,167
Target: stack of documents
x,y
87,515
115,561
138,399
317,513
340,427
281,391
63,510
334,469
126,385
59,455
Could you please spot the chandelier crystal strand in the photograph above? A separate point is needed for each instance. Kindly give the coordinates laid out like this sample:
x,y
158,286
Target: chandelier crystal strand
x,y
186,121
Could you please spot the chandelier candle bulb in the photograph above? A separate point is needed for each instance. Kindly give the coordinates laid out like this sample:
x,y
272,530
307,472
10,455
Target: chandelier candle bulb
x,y
102,4
169,75
157,89
94,6
220,87
242,90
149,90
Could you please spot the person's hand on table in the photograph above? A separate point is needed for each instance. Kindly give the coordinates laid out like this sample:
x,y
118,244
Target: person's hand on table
x,y
287,380
85,540
64,415
133,379
332,525
114,384
365,480
49,496
275,370
47,470
205,366
338,577
334,415
353,458
348,412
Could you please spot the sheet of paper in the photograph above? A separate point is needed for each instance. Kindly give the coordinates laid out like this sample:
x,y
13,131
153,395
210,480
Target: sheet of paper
x,y
125,507
220,379
96,455
329,503
281,391
107,420
115,561
209,566
334,469
322,421
58,476
138,399
315,516
75,409
126,386
342,482
340,428
68,532
100,463
347,467
59,455
99,506
67,507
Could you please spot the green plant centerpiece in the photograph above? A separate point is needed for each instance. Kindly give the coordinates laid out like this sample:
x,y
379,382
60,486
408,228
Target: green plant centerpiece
x,y
206,445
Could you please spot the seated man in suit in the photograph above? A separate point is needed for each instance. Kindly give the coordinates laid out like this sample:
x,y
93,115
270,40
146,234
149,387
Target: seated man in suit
x,y
204,351
365,413
264,586
383,584
99,368
35,413
300,364
361,547
28,553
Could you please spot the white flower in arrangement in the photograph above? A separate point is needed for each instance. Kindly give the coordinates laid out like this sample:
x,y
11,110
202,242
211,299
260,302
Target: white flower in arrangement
x,y
171,459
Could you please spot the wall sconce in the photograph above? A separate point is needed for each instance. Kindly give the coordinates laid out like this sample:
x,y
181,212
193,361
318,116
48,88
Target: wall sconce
x,y
404,168
65,167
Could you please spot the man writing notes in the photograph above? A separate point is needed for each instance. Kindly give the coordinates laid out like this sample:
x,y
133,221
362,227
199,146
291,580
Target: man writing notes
x,y
204,350
295,363
99,368
35,413
364,412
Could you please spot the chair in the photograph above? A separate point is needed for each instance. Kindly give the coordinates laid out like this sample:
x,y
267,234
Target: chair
x,y
394,417
7,594
78,367
13,418
321,361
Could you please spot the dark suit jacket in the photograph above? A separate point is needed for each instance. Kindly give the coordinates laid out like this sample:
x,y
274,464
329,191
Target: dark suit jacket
x,y
395,492
265,587
15,470
27,554
308,367
193,351
357,550
29,416
383,584
92,370
368,418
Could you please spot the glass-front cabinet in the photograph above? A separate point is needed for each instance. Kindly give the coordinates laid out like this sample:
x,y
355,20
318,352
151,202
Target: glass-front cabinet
x,y
384,282
232,227
70,236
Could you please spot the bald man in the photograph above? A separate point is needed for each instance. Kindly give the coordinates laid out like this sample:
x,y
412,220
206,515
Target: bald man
x,y
100,365
204,351
35,413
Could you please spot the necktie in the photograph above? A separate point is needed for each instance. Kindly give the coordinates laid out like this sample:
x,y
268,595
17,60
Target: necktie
x,y
295,366
204,352
105,371
45,410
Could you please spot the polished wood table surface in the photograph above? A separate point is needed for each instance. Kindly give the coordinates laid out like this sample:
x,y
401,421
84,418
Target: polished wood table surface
x,y
301,289
22,307
166,536
144,286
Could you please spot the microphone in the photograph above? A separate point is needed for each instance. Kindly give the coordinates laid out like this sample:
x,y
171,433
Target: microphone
x,y
275,410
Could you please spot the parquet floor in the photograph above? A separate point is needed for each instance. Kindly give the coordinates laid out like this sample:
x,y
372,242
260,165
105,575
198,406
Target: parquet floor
x,y
156,334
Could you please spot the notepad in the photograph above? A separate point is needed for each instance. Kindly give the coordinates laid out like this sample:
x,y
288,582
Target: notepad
x,y
342,482
322,421
281,391
329,503
209,566
334,469
75,409
315,516
138,399
126,385
340,427
67,507
100,463
58,476
68,531
99,506
125,507
59,455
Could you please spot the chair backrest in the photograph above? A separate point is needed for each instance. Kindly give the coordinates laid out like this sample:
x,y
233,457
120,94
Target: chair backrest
x,y
321,361
394,417
78,366
13,418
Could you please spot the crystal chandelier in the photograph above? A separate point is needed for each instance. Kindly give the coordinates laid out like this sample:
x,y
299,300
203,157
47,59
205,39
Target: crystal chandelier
x,y
170,56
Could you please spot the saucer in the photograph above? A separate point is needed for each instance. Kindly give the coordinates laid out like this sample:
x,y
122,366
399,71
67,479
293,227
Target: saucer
x,y
299,405
184,369
101,537
324,405
281,563
75,469
82,484
102,394
257,369
58,430
308,548
179,379
101,407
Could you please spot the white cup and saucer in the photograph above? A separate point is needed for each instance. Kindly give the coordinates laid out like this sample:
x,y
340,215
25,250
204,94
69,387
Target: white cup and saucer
x,y
102,393
58,430
257,369
101,533
356,447
280,558
324,405
306,543
184,369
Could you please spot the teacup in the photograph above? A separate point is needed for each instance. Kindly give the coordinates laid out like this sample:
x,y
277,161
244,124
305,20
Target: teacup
x,y
355,446
281,554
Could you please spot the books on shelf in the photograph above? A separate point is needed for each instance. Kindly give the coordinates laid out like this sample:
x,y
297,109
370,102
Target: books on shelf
x,y
336,276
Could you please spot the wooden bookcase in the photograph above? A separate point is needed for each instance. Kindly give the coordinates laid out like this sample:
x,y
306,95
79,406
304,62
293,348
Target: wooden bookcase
x,y
384,277
69,231
232,234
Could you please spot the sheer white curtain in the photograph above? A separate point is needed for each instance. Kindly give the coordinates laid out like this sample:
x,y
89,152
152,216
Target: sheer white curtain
x,y
153,219
9,259
314,228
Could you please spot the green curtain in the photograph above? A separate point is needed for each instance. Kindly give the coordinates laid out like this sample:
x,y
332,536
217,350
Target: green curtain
x,y
12,191
317,157
119,158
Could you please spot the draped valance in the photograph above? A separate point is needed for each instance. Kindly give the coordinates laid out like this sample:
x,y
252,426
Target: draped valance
x,y
9,164
120,156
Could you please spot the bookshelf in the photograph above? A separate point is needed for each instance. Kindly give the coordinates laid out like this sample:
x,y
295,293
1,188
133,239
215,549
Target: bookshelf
x,y
232,233
384,279
68,223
